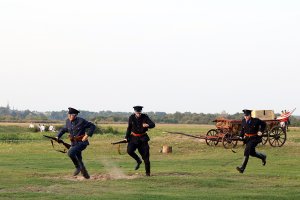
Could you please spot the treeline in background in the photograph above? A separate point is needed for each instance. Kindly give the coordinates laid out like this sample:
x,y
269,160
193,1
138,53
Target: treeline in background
x,y
11,115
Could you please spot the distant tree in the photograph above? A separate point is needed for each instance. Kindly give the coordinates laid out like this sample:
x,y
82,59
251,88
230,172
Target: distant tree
x,y
6,114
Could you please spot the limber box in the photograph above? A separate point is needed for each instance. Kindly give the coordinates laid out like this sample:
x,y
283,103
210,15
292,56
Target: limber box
x,y
263,114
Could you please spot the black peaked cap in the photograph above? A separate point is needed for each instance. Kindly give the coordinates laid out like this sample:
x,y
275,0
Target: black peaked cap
x,y
247,112
73,111
138,108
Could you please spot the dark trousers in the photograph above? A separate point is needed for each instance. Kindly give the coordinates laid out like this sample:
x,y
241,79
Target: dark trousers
x,y
251,143
75,154
143,148
250,146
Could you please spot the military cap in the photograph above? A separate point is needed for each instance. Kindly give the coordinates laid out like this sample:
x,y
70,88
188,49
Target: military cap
x,y
73,111
247,112
137,108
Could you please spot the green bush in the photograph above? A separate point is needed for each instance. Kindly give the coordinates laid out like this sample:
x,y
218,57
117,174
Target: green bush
x,y
35,129
107,130
98,130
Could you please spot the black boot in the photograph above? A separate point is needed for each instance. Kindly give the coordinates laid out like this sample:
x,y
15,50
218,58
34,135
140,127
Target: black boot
x,y
263,158
242,168
138,163
83,170
147,167
77,171
85,173
77,166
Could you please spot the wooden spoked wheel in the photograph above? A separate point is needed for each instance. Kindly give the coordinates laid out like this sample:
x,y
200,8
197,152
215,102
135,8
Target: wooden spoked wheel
x,y
212,137
277,136
228,141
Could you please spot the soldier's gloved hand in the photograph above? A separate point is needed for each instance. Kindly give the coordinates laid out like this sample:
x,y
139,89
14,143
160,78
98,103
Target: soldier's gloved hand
x,y
259,133
241,138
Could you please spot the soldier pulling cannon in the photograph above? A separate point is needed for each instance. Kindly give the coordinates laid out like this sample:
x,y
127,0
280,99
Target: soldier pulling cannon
x,y
227,130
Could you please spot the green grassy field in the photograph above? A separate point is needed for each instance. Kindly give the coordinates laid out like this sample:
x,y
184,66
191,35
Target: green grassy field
x,y
31,169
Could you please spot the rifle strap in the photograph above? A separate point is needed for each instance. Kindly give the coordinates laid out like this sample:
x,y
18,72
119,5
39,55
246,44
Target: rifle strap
x,y
64,151
61,151
119,149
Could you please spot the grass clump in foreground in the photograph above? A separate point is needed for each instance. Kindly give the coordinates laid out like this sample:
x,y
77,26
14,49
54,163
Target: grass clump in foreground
x,y
32,170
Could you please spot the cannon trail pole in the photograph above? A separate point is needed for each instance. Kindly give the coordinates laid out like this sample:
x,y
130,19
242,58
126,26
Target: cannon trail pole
x,y
233,150
231,161
189,135
179,133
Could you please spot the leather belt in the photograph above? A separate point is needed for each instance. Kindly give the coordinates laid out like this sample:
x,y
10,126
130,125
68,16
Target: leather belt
x,y
137,134
76,138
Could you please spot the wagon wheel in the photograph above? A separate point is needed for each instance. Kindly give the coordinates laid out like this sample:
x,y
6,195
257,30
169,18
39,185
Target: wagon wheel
x,y
212,137
228,141
264,138
277,136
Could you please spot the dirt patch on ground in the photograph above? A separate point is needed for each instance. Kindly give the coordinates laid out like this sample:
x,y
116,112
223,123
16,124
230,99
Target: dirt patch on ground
x,y
97,177
112,177
112,172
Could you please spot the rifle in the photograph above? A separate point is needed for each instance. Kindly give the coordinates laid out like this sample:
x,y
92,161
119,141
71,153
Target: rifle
x,y
119,142
59,141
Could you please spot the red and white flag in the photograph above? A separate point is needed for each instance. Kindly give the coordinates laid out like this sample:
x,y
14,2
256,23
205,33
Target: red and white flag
x,y
284,116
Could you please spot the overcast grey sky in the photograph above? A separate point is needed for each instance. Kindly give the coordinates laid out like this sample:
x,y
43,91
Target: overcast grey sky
x,y
167,55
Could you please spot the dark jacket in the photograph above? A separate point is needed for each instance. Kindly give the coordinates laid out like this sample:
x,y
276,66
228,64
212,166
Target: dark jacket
x,y
135,124
252,126
77,128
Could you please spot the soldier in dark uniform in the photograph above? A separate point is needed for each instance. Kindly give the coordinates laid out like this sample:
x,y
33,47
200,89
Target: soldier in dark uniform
x,y
136,135
252,129
76,127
